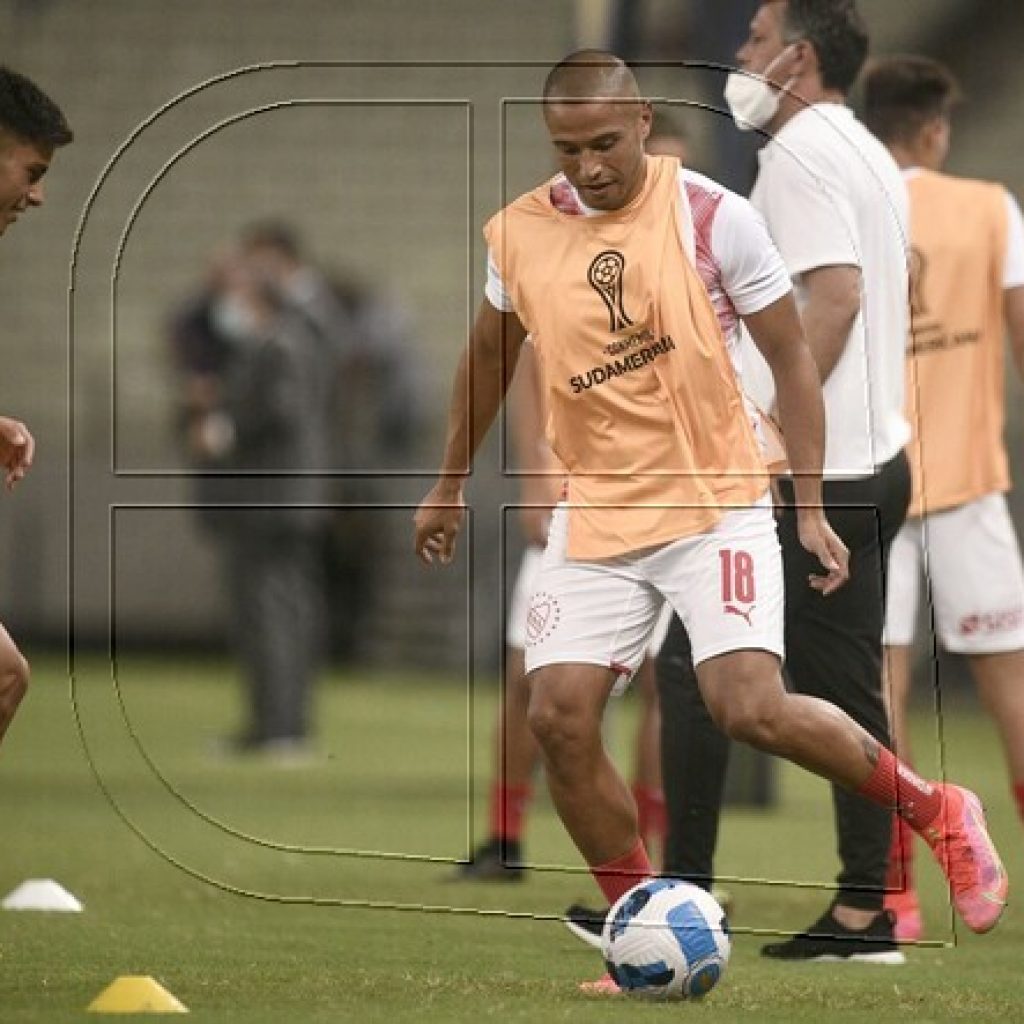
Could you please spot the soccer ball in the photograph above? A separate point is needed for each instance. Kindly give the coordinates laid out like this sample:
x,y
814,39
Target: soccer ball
x,y
666,938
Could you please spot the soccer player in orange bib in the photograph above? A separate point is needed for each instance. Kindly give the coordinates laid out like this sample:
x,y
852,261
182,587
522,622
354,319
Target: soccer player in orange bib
x,y
31,128
667,492
967,290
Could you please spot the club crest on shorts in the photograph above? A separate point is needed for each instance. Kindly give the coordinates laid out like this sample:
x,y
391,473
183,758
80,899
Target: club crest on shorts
x,y
542,618
605,277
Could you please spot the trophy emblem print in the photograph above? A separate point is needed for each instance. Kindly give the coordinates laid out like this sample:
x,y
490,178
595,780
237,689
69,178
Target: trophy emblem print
x,y
605,276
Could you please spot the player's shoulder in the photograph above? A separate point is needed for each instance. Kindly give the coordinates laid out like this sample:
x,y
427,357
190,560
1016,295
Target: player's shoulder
x,y
525,210
538,199
701,187
703,193
959,183
829,137
954,189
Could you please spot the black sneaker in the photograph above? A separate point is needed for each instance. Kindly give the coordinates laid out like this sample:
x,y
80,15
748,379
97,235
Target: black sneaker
x,y
585,923
829,941
497,860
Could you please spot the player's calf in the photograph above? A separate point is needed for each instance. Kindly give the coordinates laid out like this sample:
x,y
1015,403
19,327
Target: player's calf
x,y
14,676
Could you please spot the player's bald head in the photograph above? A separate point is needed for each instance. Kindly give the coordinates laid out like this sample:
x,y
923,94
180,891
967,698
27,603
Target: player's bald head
x,y
590,75
597,123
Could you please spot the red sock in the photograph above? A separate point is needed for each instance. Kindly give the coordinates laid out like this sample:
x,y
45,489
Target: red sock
x,y
619,876
900,874
652,820
508,808
892,784
1018,796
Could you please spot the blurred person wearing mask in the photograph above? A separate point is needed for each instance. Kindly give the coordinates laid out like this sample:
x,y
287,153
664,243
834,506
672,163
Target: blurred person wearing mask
x,y
262,433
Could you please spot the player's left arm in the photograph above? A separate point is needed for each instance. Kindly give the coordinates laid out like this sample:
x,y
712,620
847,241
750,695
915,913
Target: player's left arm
x,y
778,334
17,449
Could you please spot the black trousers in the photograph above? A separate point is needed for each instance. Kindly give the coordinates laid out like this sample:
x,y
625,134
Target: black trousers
x,y
276,591
833,651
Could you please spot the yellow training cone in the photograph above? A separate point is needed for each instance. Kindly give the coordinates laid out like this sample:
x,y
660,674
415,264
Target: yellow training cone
x,y
135,994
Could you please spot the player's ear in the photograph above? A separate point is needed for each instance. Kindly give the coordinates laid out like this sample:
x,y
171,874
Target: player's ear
x,y
798,58
646,116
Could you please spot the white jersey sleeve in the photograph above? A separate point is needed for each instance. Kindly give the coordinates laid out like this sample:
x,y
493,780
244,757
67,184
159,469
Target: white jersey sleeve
x,y
753,274
812,220
1013,268
495,287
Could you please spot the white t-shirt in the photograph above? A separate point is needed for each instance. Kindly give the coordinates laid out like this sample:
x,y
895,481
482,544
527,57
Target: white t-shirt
x,y
1013,265
832,195
731,248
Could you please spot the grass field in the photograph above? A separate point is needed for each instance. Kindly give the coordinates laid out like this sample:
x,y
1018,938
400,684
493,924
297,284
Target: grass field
x,y
262,894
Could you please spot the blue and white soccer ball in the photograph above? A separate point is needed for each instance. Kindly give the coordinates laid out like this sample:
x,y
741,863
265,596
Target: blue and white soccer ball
x,y
666,938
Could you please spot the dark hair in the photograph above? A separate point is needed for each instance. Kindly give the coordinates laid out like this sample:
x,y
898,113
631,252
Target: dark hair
x,y
29,114
838,34
902,94
273,234
666,124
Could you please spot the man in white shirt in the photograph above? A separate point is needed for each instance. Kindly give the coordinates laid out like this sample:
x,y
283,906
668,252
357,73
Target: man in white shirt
x,y
836,207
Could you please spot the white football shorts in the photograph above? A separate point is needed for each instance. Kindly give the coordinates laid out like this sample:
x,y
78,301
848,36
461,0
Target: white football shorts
x,y
522,591
973,562
725,584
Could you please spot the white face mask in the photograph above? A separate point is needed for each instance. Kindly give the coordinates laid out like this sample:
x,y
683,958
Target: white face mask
x,y
233,319
752,101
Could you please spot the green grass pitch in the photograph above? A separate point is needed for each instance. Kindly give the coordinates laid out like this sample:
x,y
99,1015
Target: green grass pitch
x,y
262,894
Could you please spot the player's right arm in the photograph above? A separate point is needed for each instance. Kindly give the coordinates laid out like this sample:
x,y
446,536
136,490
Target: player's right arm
x,y
539,481
481,382
779,336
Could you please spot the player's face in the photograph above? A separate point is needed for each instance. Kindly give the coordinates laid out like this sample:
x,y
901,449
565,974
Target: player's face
x,y
22,166
600,148
765,40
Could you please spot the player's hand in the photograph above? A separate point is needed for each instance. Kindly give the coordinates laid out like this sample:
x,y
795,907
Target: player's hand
x,y
437,522
818,537
17,448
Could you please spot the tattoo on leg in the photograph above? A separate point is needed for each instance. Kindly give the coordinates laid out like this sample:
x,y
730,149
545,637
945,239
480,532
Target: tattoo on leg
x,y
872,750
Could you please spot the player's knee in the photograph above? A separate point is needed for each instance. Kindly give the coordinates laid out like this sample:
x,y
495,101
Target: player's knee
x,y
557,726
751,721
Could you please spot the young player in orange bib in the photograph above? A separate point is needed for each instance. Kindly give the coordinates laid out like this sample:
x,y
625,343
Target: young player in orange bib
x,y
667,489
967,291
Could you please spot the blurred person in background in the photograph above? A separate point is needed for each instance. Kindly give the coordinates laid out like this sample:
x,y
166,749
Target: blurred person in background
x,y
967,293
32,128
259,351
836,207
